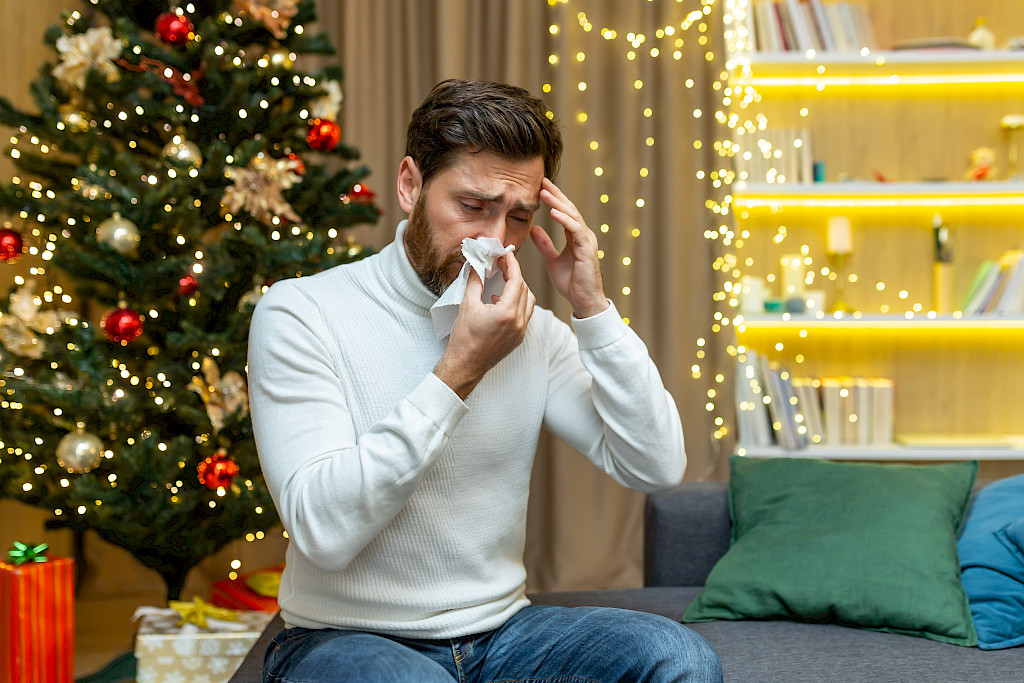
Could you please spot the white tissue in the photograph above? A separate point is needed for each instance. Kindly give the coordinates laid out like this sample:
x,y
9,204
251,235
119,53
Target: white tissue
x,y
482,256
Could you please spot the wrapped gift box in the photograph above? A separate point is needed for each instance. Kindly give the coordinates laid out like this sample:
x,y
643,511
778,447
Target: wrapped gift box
x,y
236,594
37,621
169,653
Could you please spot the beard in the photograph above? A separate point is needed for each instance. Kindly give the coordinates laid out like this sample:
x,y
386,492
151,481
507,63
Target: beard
x,y
431,266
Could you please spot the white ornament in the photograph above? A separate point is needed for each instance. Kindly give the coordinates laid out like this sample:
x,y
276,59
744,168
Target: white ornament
x,y
95,49
120,234
79,452
328,106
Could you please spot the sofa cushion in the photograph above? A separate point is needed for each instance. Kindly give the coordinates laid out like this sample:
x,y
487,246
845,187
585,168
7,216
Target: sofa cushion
x,y
858,544
992,560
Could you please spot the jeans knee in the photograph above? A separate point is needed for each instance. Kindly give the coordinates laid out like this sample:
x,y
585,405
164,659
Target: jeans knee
x,y
689,655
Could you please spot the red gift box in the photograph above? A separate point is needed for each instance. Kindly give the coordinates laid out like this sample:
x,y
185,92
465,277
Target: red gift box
x,y
234,594
37,621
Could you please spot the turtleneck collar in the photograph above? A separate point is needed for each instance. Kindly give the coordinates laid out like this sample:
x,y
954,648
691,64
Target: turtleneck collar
x,y
399,273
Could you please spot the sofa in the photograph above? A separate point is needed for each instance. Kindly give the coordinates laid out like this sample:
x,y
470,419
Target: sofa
x,y
686,532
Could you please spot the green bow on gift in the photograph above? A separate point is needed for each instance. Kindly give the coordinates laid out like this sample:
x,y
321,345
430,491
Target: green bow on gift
x,y
22,553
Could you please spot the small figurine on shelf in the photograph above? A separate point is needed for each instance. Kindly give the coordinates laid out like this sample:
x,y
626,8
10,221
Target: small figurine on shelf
x,y
982,165
1012,124
982,37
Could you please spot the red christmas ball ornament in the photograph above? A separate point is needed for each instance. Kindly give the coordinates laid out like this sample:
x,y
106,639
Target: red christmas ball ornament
x,y
301,167
323,134
122,325
217,471
11,244
188,285
361,194
174,29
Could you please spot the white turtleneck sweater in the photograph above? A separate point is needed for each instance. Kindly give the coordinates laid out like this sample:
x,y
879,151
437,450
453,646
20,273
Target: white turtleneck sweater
x,y
405,507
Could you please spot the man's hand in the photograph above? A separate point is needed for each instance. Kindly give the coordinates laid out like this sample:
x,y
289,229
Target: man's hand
x,y
486,333
576,270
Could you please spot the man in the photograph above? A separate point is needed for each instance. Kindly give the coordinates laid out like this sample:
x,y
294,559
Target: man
x,y
400,462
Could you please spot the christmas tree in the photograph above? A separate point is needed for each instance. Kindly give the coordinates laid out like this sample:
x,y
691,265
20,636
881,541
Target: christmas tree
x,y
179,163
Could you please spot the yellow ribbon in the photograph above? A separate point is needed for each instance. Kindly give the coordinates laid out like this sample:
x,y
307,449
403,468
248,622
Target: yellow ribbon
x,y
265,584
198,610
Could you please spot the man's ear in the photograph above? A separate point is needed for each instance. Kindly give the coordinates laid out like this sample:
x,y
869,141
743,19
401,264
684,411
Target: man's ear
x,y
410,184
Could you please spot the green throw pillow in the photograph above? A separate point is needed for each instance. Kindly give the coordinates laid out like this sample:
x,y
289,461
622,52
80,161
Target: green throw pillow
x,y
857,544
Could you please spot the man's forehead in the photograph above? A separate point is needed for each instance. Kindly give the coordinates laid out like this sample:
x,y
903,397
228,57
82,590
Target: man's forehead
x,y
492,178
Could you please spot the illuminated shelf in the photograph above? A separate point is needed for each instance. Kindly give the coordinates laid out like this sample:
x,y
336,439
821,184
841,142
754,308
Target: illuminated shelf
x,y
879,69
920,321
893,452
991,193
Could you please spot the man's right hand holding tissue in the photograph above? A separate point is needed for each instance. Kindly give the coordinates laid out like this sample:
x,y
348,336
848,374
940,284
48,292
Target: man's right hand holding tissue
x,y
486,333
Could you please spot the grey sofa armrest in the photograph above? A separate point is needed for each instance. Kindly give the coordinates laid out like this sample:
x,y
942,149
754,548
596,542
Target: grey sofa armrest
x,y
686,531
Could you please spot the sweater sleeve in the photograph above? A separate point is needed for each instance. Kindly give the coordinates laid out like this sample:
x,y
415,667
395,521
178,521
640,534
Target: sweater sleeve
x,y
606,400
334,492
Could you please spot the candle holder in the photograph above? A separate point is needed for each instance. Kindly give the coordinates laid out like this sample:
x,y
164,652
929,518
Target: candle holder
x,y
838,262
1012,124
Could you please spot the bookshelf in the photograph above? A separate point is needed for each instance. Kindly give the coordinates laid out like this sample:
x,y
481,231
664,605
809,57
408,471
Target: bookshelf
x,y
892,130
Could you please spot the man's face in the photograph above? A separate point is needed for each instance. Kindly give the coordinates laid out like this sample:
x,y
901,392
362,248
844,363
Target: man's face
x,y
480,195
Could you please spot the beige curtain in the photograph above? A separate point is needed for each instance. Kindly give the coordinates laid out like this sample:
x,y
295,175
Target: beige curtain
x,y
584,531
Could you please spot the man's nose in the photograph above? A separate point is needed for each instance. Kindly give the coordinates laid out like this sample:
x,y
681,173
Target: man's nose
x,y
494,227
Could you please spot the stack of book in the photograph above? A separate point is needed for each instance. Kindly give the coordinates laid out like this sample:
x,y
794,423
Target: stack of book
x,y
997,287
780,155
802,25
775,408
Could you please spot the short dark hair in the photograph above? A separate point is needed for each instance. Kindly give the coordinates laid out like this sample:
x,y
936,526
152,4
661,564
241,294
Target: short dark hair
x,y
481,116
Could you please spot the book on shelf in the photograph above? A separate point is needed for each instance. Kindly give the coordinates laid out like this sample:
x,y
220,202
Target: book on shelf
x,y
802,25
775,407
785,155
753,423
997,287
809,407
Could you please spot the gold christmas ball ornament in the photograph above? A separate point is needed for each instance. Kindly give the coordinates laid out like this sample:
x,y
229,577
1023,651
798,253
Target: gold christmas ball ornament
x,y
182,152
120,234
75,120
79,451
278,58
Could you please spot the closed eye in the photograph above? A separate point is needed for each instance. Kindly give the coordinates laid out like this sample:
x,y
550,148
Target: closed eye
x,y
471,207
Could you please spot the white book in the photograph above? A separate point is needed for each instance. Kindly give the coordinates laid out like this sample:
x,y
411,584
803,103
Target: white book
x,y
832,410
766,23
751,412
849,403
835,22
798,21
883,407
821,21
809,406
777,404
794,419
862,26
853,41
862,393
788,38
817,41
750,30
1012,271
806,153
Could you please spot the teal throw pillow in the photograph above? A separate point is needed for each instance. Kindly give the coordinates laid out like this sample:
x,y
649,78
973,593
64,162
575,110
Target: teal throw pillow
x,y
858,544
992,563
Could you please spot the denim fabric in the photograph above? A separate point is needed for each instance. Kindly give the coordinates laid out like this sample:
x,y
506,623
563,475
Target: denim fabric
x,y
539,643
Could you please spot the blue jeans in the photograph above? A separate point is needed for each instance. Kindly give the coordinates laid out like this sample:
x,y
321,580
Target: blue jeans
x,y
539,643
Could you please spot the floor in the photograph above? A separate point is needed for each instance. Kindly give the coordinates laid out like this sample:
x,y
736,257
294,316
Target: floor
x,y
104,629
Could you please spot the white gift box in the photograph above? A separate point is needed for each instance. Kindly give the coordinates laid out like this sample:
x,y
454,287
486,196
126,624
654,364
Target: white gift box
x,y
169,653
